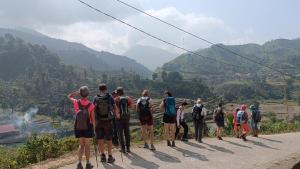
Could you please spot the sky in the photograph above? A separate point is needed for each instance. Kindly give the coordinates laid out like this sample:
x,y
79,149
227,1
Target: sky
x,y
232,22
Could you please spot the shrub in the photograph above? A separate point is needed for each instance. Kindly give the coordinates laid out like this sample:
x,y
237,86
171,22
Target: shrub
x,y
68,144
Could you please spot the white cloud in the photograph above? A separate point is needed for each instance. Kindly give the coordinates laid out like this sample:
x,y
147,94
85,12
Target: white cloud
x,y
101,33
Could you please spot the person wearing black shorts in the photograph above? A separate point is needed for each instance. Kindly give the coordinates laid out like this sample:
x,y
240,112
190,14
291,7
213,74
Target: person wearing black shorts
x,y
169,120
83,128
103,115
144,107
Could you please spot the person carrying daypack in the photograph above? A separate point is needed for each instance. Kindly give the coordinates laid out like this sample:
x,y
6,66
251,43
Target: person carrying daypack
x,y
198,115
104,114
115,138
236,126
83,127
123,104
168,107
180,121
242,120
255,119
144,108
219,116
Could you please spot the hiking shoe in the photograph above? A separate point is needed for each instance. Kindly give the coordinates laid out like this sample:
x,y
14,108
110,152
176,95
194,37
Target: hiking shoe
x,y
111,159
220,138
244,138
200,141
184,139
128,150
79,166
103,158
168,143
146,146
173,144
152,147
89,166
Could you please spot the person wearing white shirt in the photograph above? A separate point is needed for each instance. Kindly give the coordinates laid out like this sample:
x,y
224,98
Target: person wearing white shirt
x,y
180,121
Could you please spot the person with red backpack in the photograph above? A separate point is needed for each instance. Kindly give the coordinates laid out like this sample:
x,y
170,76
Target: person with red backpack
x,y
83,124
168,107
144,107
104,113
123,104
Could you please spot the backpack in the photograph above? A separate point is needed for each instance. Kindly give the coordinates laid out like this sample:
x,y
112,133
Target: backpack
x,y
103,108
144,108
170,106
218,114
123,106
82,117
256,116
196,114
241,117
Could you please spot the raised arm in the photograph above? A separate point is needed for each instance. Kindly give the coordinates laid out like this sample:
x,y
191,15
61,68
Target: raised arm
x,y
72,95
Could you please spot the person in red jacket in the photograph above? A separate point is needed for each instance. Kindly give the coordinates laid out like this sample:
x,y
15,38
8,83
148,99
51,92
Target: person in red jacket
x,y
83,124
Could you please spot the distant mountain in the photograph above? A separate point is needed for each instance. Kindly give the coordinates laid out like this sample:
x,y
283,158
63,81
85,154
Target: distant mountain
x,y
77,54
281,54
149,56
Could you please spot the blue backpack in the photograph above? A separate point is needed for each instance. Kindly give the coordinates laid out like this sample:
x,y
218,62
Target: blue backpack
x,y
241,117
170,106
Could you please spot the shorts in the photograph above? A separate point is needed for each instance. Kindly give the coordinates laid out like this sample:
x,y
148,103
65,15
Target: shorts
x,y
220,123
104,131
147,122
89,133
169,119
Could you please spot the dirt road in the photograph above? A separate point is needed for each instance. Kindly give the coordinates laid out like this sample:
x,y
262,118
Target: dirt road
x,y
231,153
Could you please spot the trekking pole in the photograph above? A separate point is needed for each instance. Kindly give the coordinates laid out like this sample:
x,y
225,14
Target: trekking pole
x,y
120,145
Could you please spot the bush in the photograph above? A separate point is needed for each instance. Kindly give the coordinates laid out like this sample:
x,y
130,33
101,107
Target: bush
x,y
68,144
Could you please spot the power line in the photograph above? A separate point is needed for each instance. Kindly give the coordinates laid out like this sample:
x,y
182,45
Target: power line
x,y
154,37
203,39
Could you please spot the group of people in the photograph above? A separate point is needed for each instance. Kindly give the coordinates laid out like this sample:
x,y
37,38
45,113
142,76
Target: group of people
x,y
107,118
240,121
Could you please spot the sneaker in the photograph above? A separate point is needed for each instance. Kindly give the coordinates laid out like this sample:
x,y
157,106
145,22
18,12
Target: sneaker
x,y
111,159
89,166
244,138
184,139
173,144
146,146
200,141
79,166
103,158
152,147
128,150
168,143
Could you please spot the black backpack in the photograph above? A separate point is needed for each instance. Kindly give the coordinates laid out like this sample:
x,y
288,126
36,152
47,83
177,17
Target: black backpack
x,y
103,108
123,107
218,114
82,117
196,114
144,108
256,115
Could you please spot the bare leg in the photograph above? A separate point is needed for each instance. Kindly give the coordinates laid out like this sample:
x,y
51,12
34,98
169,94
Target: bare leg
x,y
87,150
81,148
144,133
101,146
166,127
172,127
109,144
151,134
